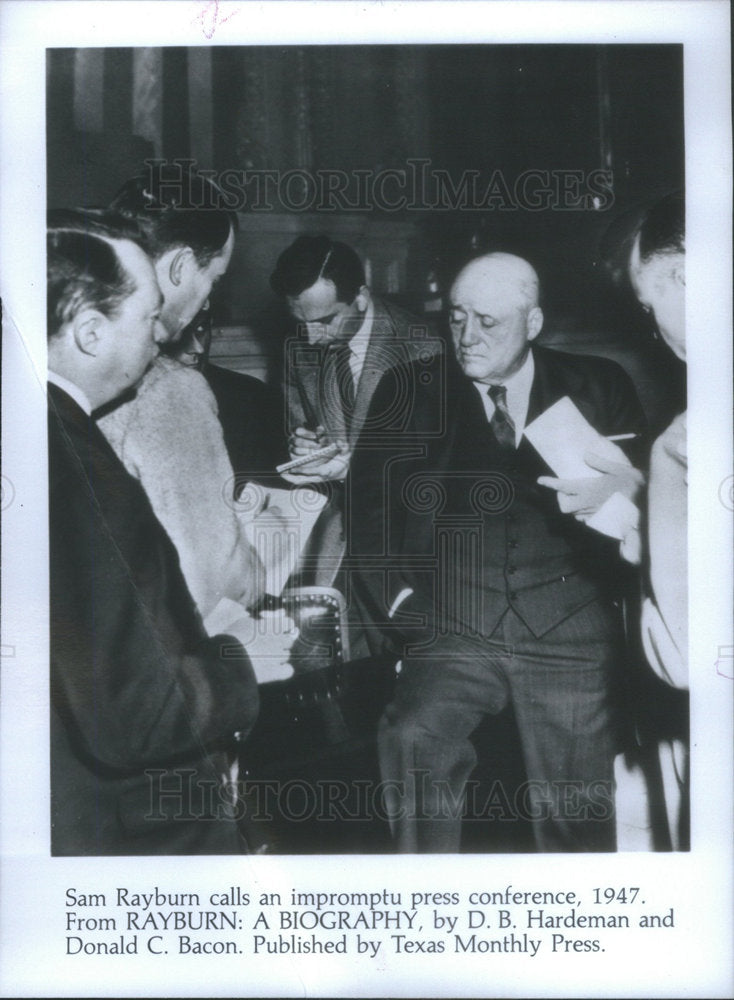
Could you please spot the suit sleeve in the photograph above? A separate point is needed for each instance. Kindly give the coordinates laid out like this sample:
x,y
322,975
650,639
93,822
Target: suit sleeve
x,y
132,674
376,512
619,410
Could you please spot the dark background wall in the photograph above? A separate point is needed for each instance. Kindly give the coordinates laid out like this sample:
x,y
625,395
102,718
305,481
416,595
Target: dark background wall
x,y
483,114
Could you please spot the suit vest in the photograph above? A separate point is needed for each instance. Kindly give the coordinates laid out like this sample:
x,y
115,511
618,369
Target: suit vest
x,y
501,540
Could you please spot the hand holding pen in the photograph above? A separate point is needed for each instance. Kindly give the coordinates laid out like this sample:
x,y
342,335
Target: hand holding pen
x,y
330,460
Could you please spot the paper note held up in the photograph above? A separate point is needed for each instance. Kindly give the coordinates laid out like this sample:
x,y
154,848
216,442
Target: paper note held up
x,y
562,435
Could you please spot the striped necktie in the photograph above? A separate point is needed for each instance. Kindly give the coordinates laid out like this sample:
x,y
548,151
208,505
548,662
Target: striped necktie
x,y
501,422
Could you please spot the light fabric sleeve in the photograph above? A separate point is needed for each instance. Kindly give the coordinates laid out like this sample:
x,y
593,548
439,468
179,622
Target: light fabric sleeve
x,y
169,437
665,617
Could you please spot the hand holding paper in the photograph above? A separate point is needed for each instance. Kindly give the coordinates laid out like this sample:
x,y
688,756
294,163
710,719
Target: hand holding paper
x,y
585,496
594,478
267,639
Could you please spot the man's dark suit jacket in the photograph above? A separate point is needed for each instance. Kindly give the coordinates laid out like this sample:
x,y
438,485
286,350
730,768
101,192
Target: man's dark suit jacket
x,y
397,337
143,704
434,467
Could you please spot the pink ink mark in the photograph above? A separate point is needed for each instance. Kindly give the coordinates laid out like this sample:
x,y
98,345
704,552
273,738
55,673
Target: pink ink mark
x,y
725,662
210,17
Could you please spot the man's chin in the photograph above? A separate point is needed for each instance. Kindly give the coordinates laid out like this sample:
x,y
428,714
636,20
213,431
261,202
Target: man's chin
x,y
474,368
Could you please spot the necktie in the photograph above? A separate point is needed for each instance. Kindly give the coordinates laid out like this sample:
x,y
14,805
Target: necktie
x,y
341,353
501,422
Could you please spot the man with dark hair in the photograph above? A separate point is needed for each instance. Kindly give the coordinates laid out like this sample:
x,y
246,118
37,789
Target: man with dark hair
x,y
347,340
144,707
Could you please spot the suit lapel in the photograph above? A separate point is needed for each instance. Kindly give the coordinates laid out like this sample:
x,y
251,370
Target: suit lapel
x,y
377,361
545,389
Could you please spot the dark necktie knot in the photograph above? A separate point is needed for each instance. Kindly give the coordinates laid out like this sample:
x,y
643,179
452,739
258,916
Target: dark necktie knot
x,y
502,424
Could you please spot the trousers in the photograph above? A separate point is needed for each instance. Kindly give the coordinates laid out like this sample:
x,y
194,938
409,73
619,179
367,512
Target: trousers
x,y
562,688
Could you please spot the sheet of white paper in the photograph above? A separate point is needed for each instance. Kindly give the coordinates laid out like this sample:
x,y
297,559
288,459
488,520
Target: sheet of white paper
x,y
220,620
280,531
562,435
615,517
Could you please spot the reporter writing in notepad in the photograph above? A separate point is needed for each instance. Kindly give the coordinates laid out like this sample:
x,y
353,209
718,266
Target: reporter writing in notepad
x,y
347,339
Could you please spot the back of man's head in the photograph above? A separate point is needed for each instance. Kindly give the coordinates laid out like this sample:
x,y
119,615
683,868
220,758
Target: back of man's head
x,y
83,267
662,231
174,206
312,257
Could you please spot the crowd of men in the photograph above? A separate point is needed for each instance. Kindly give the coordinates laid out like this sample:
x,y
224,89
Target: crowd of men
x,y
462,554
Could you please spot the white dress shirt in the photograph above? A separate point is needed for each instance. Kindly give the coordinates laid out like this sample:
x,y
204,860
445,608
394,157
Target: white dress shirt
x,y
71,390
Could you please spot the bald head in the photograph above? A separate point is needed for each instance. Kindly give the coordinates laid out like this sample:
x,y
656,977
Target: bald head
x,y
512,271
494,316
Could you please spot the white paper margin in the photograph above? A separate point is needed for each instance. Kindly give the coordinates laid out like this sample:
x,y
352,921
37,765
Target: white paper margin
x,y
693,960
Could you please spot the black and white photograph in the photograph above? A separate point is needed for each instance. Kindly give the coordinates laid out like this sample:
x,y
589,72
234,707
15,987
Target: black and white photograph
x,y
382,503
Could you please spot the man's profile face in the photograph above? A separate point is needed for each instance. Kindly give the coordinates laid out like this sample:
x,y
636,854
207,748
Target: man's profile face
x,y
325,317
659,285
489,321
130,341
184,300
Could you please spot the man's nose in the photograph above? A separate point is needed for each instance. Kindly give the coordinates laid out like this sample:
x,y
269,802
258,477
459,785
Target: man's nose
x,y
161,334
469,332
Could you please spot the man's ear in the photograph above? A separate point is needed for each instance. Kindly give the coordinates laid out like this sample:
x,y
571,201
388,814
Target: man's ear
x,y
679,272
180,260
534,322
363,299
88,330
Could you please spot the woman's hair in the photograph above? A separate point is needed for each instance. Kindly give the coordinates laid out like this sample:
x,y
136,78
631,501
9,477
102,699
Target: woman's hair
x,y
174,206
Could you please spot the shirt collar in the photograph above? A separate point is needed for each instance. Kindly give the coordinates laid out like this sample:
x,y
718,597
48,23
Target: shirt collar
x,y
522,379
72,390
361,339
518,386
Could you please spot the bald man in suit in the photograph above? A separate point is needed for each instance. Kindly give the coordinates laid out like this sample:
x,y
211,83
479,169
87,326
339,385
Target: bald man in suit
x,y
491,592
